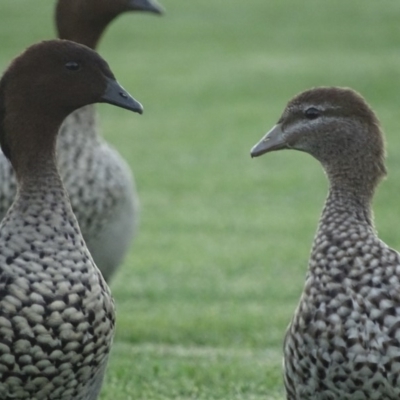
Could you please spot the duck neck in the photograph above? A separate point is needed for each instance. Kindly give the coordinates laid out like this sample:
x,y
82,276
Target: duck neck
x,y
81,24
346,205
345,226
353,181
40,176
88,35
31,147
354,177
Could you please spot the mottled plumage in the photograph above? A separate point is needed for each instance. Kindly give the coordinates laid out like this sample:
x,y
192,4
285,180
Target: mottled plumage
x,y
56,311
344,340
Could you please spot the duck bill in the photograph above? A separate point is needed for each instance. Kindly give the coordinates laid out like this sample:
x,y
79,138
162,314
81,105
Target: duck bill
x,y
116,95
273,140
147,6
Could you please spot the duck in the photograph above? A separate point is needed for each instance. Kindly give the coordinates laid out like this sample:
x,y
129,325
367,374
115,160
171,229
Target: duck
x,y
343,341
57,316
99,181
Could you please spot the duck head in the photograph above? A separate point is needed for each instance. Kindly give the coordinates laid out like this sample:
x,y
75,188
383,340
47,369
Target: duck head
x,y
84,21
337,127
45,84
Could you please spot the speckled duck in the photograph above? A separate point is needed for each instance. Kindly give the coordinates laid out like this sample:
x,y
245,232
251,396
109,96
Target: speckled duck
x,y
98,180
344,340
56,311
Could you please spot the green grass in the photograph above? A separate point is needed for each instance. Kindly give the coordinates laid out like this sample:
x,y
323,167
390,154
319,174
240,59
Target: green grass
x,y
217,269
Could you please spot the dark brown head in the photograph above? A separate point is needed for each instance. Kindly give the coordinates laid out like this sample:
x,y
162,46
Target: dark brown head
x,y
337,127
45,84
84,21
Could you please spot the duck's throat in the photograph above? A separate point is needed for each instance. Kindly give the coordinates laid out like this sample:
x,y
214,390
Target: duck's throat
x,y
345,205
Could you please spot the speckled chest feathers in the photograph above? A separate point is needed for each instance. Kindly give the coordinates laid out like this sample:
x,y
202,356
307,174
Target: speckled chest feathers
x,y
56,313
344,340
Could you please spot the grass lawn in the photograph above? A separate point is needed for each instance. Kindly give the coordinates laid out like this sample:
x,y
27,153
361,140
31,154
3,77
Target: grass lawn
x,y
218,266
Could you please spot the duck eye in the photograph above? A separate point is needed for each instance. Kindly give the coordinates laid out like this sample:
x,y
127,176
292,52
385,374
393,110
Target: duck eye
x,y
72,66
312,113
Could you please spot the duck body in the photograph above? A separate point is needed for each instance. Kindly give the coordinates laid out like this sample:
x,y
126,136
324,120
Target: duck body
x,y
57,316
344,340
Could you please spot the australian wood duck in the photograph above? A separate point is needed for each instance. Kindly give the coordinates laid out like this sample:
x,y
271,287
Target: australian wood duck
x,y
344,340
98,180
56,311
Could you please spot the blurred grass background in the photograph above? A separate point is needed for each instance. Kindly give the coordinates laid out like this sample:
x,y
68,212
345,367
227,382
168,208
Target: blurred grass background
x,y
219,263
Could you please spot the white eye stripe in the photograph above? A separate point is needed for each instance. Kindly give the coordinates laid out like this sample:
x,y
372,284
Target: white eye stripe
x,y
304,124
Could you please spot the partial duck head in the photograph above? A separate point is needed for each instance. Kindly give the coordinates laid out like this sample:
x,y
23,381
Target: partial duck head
x,y
338,128
45,84
84,21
